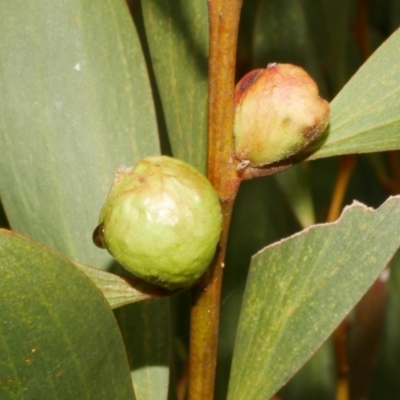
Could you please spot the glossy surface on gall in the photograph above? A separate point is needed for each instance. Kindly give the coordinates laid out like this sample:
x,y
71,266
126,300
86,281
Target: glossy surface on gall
x,y
161,221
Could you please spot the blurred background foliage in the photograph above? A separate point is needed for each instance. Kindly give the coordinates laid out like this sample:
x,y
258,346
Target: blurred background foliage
x,y
330,39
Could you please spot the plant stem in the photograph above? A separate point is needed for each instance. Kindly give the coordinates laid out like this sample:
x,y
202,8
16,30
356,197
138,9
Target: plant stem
x,y
204,328
361,29
221,170
346,166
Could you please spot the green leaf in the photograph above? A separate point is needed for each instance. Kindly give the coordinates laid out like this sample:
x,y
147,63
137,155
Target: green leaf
x,y
259,218
328,23
58,336
177,34
300,289
75,103
365,114
120,291
295,185
148,344
281,35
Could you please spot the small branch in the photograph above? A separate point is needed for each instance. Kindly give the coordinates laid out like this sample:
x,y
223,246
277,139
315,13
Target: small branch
x,y
360,29
205,323
221,170
346,167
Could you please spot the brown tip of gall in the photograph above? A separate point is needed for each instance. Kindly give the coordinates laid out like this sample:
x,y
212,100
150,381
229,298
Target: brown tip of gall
x,y
98,238
320,125
245,82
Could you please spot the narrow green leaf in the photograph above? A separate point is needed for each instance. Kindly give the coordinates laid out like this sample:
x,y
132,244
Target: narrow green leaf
x,y
281,35
120,291
75,103
58,336
295,185
177,34
365,114
299,289
328,23
148,344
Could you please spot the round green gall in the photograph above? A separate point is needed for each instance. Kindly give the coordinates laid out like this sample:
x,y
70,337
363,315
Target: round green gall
x,y
277,114
161,221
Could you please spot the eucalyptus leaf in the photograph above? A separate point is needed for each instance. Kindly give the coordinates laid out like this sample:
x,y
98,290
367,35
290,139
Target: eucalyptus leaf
x,y
120,291
300,288
177,34
58,336
148,343
295,185
281,35
328,23
365,114
75,103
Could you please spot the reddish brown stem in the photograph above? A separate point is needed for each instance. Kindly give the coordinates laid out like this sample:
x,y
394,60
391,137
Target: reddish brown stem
x,y
221,170
360,29
346,167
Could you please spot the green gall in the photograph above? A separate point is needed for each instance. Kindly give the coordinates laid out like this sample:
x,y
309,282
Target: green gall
x,y
161,221
277,114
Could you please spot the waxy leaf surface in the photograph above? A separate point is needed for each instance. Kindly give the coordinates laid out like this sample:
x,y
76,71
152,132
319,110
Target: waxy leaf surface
x,y
58,336
177,34
75,104
300,289
120,291
365,115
